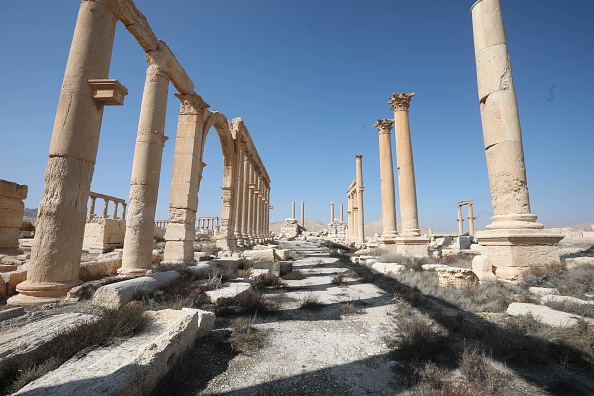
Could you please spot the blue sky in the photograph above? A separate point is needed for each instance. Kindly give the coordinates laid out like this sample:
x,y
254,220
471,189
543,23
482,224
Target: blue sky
x,y
310,78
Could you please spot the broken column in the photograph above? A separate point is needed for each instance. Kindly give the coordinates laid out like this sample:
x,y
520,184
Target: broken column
x,y
360,237
389,234
55,257
303,214
331,212
146,170
410,241
514,240
12,210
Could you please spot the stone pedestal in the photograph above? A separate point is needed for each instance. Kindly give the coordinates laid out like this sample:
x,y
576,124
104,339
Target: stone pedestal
x,y
12,209
417,246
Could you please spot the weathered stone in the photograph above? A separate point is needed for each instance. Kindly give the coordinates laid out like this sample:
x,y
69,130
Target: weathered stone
x,y
254,256
545,314
542,291
277,268
133,367
564,299
21,344
99,268
13,278
458,277
227,264
11,313
8,267
573,261
228,291
390,270
281,254
482,268
117,294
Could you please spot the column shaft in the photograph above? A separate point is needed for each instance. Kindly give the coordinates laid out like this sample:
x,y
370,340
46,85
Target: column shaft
x,y
55,257
387,178
360,217
245,212
146,172
239,199
303,213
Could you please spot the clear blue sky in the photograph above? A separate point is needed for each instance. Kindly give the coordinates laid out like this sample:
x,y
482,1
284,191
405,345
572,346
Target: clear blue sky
x,y
310,78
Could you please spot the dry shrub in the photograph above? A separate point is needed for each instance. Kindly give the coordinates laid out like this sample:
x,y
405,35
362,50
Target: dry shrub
x,y
416,337
245,338
339,280
351,273
350,309
250,302
185,292
574,281
269,281
112,325
476,367
585,310
311,302
294,275
411,262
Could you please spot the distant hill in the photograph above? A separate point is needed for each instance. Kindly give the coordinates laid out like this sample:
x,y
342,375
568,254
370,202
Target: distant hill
x,y
30,215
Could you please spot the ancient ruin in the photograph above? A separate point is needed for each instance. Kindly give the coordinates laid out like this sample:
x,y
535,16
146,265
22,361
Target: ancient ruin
x,y
356,232
54,265
11,215
470,218
514,240
389,233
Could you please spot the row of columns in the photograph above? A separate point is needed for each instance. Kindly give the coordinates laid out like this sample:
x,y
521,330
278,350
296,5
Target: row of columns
x,y
106,200
355,216
470,218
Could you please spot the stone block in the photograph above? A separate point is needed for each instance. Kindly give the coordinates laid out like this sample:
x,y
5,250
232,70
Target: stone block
x,y
281,254
115,295
132,367
277,268
22,344
391,270
13,278
227,264
564,299
482,268
99,268
8,267
542,291
573,261
545,314
228,291
457,277
254,256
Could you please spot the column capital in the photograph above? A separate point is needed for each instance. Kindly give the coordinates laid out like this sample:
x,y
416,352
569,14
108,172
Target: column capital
x,y
400,101
192,104
384,126
358,156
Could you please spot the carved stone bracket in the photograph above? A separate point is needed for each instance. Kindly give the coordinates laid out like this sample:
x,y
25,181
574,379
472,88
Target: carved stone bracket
x,y
108,92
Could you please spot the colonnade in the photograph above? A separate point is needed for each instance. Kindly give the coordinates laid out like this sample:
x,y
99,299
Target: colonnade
x,y
106,200
470,218
355,216
55,257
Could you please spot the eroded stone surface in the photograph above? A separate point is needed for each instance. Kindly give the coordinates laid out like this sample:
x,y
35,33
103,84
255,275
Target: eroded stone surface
x,y
228,291
544,314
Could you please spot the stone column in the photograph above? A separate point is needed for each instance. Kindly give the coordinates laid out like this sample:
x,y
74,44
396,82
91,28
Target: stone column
x,y
55,257
92,209
514,240
146,172
245,202
409,242
105,205
384,127
124,211
115,210
460,220
12,210
303,214
258,210
360,218
470,219
239,200
331,212
251,198
342,213
293,209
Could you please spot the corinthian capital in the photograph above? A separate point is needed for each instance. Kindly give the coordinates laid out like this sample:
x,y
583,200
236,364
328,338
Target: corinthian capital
x,y
384,125
401,101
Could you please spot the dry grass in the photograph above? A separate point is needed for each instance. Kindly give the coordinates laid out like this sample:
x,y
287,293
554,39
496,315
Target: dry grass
x,y
350,309
585,310
269,281
411,262
245,338
113,325
340,280
311,302
250,302
294,275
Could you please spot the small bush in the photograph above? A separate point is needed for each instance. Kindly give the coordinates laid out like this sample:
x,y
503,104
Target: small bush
x,y
339,280
311,302
411,262
250,302
585,310
269,281
475,367
294,275
245,338
349,309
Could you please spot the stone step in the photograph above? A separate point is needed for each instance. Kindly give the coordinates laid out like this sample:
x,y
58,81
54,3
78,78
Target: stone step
x,y
133,367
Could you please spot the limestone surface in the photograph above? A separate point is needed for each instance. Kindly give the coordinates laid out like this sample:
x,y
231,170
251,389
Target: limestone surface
x,y
544,314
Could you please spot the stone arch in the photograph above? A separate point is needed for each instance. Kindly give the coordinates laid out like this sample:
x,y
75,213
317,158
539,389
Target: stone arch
x,y
218,120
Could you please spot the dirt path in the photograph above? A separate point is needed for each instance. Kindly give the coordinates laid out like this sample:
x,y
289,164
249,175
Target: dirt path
x,y
336,347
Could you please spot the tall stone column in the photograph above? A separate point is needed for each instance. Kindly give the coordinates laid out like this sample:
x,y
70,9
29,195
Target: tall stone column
x,y
146,172
331,212
293,209
342,213
185,181
92,209
251,199
105,206
55,257
389,234
245,202
239,200
410,241
470,219
514,240
303,214
360,217
460,220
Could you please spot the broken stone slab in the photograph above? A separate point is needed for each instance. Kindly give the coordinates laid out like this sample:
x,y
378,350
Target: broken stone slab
x,y
542,291
482,268
12,260
11,279
227,291
454,276
104,266
227,264
573,261
254,256
277,268
132,367
23,343
281,254
391,270
564,299
8,267
544,314
115,295
11,313
202,256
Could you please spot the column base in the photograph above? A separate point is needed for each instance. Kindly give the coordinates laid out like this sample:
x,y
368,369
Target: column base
x,y
41,293
131,272
387,238
507,253
417,246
